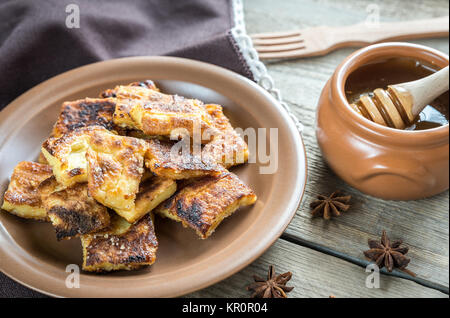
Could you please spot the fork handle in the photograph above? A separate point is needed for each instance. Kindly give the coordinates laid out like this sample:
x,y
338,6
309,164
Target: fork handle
x,y
363,34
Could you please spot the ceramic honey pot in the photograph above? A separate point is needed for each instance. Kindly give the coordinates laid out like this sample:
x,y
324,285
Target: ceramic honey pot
x,y
389,163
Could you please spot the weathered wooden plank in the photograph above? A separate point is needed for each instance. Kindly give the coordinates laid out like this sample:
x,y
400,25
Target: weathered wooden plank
x,y
422,224
315,275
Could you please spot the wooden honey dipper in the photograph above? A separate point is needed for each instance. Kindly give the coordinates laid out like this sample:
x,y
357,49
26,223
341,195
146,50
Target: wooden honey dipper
x,y
399,104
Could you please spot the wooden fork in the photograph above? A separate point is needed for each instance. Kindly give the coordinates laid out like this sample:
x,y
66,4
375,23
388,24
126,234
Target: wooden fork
x,y
322,40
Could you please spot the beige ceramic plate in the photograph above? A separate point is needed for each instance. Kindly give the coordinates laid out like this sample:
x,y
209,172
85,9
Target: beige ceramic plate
x,y
29,252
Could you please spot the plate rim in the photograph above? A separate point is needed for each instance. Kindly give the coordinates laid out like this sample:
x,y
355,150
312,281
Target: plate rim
x,y
298,192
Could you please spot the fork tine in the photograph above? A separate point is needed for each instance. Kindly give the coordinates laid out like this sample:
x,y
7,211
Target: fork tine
x,y
280,48
271,35
277,41
302,52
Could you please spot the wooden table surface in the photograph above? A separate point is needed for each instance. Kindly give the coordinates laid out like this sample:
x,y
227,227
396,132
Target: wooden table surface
x,y
326,257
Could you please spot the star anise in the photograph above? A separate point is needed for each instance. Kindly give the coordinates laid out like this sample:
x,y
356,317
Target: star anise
x,y
273,287
387,254
332,205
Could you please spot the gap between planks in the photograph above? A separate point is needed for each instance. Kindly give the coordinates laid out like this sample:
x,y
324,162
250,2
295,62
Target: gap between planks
x,y
360,262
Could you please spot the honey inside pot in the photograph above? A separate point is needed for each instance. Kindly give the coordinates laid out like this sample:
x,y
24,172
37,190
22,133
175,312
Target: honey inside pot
x,y
381,73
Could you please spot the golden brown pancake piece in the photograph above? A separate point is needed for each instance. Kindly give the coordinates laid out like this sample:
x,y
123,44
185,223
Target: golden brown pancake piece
x,y
123,246
68,154
159,114
122,111
227,147
152,192
146,84
83,113
41,159
166,159
122,115
115,168
71,210
22,197
204,203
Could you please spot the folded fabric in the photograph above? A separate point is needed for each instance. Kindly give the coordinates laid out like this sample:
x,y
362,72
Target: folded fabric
x,y
37,44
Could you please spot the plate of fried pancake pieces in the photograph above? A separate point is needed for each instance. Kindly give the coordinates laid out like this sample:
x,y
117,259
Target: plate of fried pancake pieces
x,y
143,177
